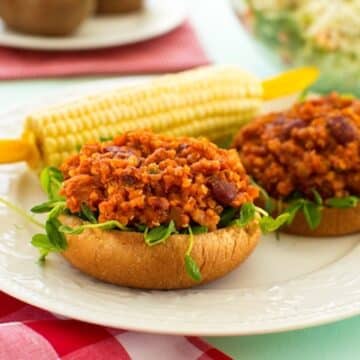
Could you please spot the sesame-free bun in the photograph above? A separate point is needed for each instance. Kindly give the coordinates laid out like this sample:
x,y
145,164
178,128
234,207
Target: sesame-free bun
x,y
123,258
334,222
118,6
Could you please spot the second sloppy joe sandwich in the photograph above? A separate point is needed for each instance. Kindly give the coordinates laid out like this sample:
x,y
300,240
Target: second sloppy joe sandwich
x,y
307,159
152,211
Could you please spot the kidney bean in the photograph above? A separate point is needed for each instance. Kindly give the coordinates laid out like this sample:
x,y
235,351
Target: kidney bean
x,y
128,179
223,191
181,147
341,129
290,125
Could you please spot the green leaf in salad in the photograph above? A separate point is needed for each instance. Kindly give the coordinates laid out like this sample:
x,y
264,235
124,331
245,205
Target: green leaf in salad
x,y
342,203
159,234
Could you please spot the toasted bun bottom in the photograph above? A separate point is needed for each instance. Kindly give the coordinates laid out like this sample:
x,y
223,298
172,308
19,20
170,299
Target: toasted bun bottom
x,y
123,258
334,222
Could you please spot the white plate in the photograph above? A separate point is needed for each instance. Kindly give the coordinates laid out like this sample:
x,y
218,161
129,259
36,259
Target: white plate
x,y
286,284
159,17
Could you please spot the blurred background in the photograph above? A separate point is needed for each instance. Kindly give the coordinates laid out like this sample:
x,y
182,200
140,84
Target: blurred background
x,y
262,36
315,32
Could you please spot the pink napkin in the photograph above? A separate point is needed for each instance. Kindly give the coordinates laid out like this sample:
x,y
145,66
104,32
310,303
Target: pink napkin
x,y
28,333
178,50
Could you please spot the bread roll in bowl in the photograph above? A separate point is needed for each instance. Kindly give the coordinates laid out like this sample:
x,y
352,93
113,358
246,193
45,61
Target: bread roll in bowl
x,y
123,258
118,6
45,17
334,222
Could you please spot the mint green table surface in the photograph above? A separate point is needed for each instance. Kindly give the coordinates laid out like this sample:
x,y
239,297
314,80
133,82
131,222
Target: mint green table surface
x,y
227,43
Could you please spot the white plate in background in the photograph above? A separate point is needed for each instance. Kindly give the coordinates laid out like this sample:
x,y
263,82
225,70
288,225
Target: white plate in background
x,y
157,18
290,283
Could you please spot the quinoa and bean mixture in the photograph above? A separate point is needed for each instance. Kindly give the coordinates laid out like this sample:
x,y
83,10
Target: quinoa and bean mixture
x,y
313,145
150,179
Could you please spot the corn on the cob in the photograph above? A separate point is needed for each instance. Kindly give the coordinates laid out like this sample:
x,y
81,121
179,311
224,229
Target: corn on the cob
x,y
208,102
212,102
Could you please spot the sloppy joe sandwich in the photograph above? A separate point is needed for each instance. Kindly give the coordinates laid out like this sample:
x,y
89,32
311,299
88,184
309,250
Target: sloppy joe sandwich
x,y
307,159
152,211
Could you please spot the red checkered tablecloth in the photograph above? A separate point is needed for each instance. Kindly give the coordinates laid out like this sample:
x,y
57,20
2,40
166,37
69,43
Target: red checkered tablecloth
x,y
27,332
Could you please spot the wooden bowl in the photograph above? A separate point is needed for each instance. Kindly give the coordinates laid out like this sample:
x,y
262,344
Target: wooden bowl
x,y
45,17
119,6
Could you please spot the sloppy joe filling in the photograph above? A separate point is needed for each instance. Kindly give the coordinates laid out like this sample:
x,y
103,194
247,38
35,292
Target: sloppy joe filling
x,y
313,145
150,179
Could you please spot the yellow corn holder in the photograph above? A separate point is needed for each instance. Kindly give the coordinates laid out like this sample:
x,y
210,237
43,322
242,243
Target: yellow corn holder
x,y
212,101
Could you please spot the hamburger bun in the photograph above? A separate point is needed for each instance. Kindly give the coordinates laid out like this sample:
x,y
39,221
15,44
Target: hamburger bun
x,y
118,6
334,222
123,258
45,17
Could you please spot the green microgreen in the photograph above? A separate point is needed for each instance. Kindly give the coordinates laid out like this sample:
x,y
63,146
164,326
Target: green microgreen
x,y
140,227
312,210
57,210
250,212
88,214
343,203
191,266
247,214
198,229
55,235
317,197
303,95
21,212
44,245
268,202
51,180
108,225
45,207
159,234
269,224
313,214
106,138
227,217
